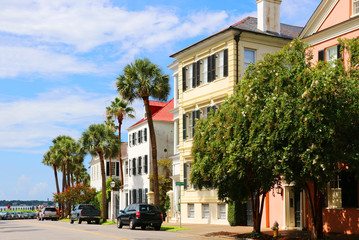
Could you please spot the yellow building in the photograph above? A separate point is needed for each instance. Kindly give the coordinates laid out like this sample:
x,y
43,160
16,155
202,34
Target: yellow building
x,y
205,74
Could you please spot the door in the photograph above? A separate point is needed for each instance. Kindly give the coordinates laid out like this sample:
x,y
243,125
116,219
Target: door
x,y
249,214
297,209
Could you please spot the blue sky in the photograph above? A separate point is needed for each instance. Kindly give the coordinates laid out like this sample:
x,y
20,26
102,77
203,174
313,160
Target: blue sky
x,y
59,61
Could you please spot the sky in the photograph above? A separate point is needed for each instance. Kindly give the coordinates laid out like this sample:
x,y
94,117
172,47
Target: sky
x,y
59,61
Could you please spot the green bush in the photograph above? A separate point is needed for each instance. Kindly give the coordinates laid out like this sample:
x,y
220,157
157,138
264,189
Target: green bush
x,y
236,213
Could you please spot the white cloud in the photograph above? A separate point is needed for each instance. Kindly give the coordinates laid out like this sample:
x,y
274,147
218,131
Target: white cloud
x,y
22,184
39,189
298,12
25,60
31,123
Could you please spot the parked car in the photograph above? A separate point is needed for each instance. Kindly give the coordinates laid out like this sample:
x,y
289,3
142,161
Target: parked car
x,y
32,215
85,212
140,215
49,213
5,215
13,215
19,215
26,215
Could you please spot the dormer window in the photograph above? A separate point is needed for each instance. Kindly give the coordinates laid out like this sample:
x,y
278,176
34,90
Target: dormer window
x,y
355,7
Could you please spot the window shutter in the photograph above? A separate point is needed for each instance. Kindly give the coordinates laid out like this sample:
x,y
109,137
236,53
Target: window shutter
x,y
185,175
134,166
130,141
134,197
193,122
145,134
194,75
209,69
214,108
130,196
339,55
117,169
213,67
225,63
184,79
107,169
184,127
321,55
208,110
146,191
139,165
146,165
140,195
198,73
129,167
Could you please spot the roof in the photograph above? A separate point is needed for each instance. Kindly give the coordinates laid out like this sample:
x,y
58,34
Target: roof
x,y
160,112
249,24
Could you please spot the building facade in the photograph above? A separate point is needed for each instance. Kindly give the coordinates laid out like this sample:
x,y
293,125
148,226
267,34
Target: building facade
x,y
205,74
137,167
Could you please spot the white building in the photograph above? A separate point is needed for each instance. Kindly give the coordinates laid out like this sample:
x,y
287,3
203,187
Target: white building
x,y
137,166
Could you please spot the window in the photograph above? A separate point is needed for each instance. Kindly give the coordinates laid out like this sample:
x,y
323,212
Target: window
x,y
249,57
126,166
134,139
139,166
134,196
130,140
343,191
222,211
145,195
134,166
107,168
117,169
355,7
331,54
205,211
204,70
140,136
190,210
145,134
130,196
184,125
195,116
140,195
145,167
126,199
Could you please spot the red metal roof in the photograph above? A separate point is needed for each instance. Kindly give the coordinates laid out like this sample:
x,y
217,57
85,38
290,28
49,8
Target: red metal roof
x,y
160,112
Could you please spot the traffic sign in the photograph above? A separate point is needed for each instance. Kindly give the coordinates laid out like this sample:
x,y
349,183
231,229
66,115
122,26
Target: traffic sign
x,y
179,183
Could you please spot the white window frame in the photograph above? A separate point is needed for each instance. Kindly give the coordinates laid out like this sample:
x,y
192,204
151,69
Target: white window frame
x,y
222,213
246,62
220,65
331,54
205,211
190,208
355,7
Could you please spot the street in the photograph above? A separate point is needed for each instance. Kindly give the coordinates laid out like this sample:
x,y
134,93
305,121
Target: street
x,y
60,230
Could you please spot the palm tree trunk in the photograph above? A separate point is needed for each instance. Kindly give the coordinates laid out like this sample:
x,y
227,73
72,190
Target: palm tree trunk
x,y
56,179
154,150
120,153
104,196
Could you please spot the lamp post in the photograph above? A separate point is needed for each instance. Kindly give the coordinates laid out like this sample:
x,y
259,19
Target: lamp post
x,y
113,184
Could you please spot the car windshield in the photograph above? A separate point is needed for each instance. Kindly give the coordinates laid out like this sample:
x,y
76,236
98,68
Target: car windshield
x,y
51,209
147,208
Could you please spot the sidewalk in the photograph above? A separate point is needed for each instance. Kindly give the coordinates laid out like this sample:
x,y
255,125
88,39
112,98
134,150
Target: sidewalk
x,y
211,231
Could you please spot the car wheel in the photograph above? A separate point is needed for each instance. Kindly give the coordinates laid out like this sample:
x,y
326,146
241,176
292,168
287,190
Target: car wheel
x,y
157,228
143,227
72,221
119,223
132,224
97,221
88,222
42,219
80,220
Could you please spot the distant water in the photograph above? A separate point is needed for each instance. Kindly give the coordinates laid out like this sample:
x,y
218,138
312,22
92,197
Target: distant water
x,y
2,208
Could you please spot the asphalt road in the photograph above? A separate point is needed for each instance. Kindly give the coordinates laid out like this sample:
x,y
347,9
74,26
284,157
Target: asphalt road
x,y
60,230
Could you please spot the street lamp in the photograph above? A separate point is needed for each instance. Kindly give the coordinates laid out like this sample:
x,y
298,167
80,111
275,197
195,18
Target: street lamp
x,y
113,184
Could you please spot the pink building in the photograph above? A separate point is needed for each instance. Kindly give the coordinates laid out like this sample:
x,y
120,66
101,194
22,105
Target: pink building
x,y
331,20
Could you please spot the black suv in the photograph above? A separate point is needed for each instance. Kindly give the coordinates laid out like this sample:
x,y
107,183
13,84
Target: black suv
x,y
140,215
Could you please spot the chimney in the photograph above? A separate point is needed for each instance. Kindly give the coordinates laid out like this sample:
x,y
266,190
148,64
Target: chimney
x,y
268,15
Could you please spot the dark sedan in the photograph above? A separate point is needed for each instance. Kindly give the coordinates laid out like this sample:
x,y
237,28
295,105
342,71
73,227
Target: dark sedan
x,y
140,215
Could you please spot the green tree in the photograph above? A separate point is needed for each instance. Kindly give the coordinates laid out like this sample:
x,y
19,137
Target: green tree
x,y
98,140
118,110
52,159
142,80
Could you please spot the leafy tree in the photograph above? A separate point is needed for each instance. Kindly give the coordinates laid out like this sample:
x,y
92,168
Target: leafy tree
x,y
142,80
98,140
118,110
52,159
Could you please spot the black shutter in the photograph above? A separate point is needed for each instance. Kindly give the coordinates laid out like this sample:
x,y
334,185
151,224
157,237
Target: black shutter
x,y
184,127
193,122
194,75
139,165
140,195
184,79
134,166
208,111
321,55
130,196
185,175
145,134
198,114
134,197
146,191
225,64
107,169
117,169
146,164
209,69
339,55
213,67
198,73
214,108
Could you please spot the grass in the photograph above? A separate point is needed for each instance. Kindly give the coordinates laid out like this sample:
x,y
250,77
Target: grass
x,y
102,223
173,229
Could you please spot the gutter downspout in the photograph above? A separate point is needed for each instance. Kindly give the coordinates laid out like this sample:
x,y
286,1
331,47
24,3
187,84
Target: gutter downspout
x,y
237,38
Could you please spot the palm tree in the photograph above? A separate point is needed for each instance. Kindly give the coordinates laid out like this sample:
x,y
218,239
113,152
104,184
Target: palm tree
x,y
118,110
52,159
142,80
98,140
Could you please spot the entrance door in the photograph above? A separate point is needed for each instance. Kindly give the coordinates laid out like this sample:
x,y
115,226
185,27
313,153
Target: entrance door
x,y
249,214
297,209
